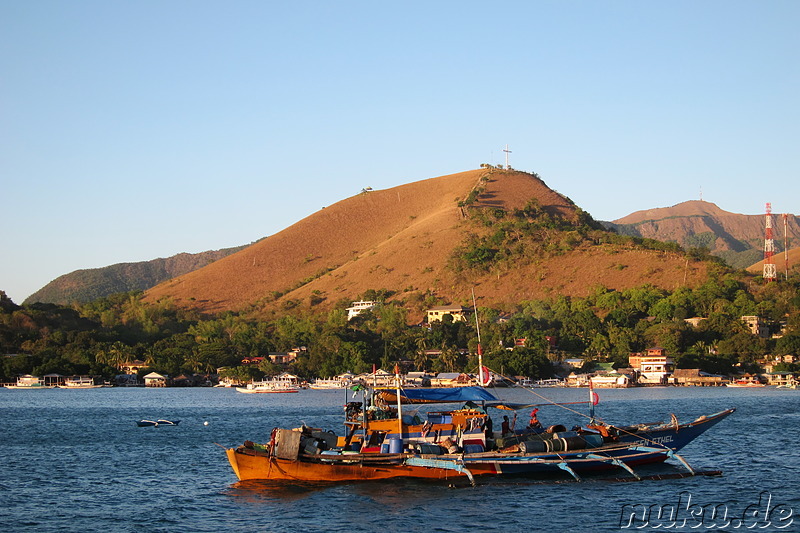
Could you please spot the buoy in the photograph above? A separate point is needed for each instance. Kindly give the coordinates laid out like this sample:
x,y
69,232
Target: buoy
x,y
205,423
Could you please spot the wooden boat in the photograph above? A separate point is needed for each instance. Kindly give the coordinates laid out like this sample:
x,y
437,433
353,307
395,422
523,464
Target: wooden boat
x,y
157,423
382,443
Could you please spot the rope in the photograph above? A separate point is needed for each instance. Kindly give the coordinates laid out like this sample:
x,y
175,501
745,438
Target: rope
x,y
551,402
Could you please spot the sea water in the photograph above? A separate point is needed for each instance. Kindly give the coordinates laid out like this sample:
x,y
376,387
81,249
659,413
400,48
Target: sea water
x,y
75,460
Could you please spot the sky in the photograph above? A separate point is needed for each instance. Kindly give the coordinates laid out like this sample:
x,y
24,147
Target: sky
x,y
132,130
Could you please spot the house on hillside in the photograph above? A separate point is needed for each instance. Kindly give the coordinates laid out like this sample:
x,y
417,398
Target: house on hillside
x,y
285,358
458,312
694,321
356,308
756,326
132,367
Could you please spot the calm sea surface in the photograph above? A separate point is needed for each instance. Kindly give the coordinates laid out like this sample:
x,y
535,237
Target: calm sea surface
x,y
74,460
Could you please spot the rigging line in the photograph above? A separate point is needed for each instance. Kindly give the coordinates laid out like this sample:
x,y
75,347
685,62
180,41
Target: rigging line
x,y
551,402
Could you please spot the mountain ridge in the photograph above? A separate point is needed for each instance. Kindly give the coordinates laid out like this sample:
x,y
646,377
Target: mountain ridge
x,y
736,238
85,285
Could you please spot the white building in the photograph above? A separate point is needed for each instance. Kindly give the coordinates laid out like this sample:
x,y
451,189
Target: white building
x,y
356,308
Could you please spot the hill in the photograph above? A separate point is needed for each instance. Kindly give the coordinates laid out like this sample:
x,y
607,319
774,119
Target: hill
x,y
780,263
736,238
89,284
414,241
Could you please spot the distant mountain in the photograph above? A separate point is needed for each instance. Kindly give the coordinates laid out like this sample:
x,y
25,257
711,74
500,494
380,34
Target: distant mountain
x,y
87,285
738,239
518,238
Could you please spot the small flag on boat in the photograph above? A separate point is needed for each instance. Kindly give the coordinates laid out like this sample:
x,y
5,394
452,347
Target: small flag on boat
x,y
484,377
593,396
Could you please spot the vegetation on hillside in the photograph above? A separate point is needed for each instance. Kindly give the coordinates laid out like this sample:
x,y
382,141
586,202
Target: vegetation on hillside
x,y
96,337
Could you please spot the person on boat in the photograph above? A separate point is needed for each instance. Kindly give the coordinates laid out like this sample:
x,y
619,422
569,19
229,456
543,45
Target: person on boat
x,y
505,427
534,423
488,428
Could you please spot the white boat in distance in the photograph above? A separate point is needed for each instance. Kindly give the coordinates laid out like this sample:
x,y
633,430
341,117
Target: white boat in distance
x,y
268,387
327,384
79,382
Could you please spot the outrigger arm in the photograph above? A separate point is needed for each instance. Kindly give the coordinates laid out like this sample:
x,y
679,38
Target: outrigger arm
x,y
670,454
564,466
444,465
616,462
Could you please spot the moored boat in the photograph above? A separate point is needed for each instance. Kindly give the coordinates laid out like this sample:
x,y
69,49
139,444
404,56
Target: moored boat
x,y
268,387
381,442
750,381
79,382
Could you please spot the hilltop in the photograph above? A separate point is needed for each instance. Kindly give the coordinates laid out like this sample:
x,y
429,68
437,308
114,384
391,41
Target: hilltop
x,y
411,241
736,238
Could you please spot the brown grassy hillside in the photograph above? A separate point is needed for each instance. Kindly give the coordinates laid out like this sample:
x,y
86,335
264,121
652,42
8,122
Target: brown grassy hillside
x,y
402,239
780,262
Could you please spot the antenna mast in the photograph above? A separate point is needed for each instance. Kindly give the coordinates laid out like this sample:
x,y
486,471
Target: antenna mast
x,y
769,273
786,242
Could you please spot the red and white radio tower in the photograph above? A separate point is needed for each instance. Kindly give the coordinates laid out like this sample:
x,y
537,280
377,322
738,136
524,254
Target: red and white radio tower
x,y
770,272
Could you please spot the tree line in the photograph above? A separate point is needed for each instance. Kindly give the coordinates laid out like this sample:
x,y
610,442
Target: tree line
x,y
607,325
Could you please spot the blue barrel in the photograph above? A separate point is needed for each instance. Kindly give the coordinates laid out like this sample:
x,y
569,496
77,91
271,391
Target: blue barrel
x,y
384,448
395,445
473,448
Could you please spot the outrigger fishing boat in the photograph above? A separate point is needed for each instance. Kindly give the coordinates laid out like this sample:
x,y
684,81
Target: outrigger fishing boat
x,y
382,442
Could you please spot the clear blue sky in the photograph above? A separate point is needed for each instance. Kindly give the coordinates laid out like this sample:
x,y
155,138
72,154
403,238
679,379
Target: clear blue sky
x,y
141,129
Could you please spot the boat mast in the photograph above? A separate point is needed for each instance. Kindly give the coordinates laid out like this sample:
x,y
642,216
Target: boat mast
x,y
480,350
399,403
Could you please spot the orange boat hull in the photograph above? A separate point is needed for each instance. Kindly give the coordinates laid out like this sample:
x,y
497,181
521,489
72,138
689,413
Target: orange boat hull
x,y
251,467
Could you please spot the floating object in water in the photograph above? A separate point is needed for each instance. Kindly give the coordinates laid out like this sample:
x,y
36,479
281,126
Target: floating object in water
x,y
205,423
156,423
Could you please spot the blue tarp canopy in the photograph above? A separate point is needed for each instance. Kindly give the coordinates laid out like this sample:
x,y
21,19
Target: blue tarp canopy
x,y
443,395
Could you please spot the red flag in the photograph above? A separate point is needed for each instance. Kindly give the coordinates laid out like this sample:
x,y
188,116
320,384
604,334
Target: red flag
x,y
484,377
593,397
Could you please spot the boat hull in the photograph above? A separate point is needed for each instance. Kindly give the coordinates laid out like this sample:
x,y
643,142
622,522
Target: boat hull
x,y
671,436
254,465
636,445
266,391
